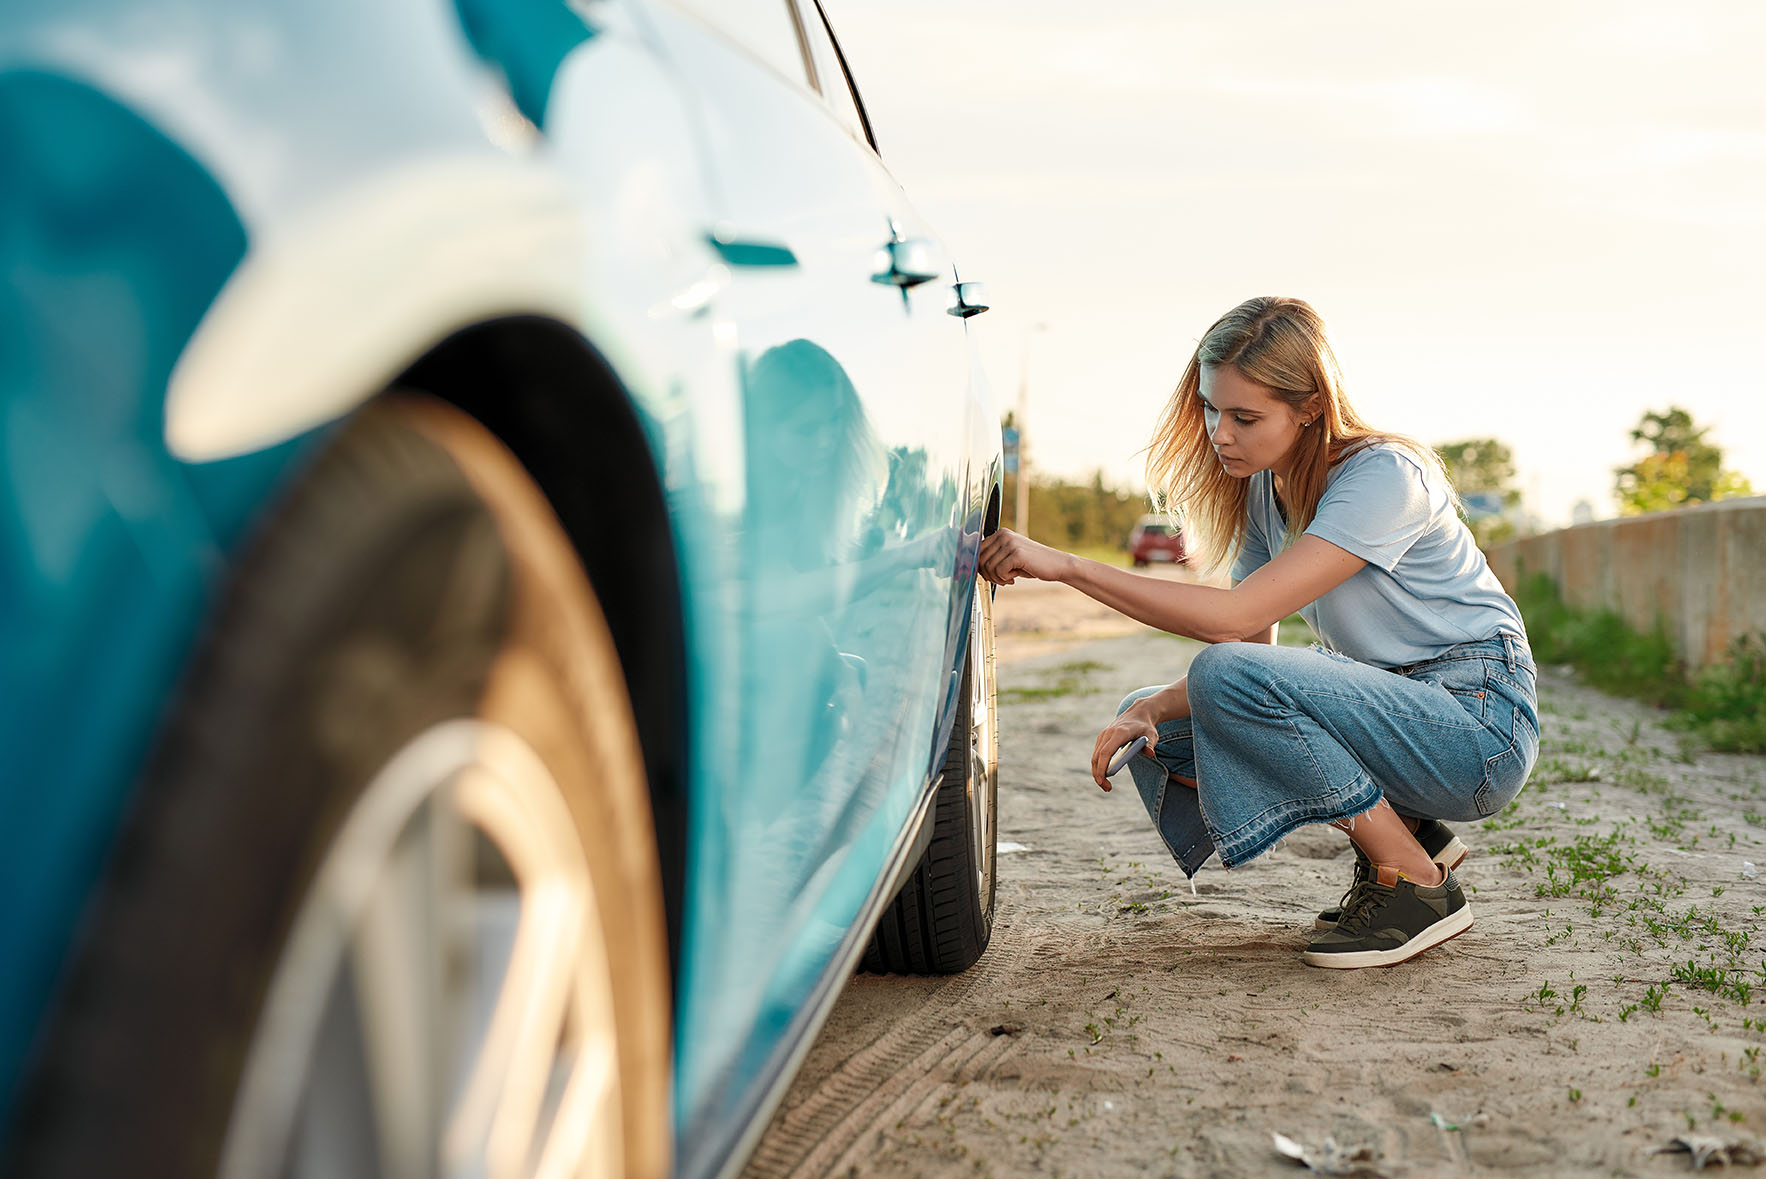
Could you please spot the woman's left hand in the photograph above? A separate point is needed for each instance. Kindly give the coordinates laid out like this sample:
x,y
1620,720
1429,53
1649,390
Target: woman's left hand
x,y
1006,556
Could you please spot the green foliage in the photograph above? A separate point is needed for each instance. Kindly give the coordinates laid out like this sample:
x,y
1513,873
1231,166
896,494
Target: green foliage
x,y
1294,632
1483,465
1723,705
1479,464
1716,979
1077,515
1728,703
1602,645
1070,678
1681,468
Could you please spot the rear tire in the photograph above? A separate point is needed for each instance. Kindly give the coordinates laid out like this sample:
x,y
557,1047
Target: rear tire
x,y
408,725
941,920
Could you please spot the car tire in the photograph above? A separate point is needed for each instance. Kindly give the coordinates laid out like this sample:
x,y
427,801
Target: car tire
x,y
941,920
365,915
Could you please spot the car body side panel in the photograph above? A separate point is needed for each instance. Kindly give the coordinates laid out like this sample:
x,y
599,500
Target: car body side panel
x,y
851,585
113,241
184,173
291,168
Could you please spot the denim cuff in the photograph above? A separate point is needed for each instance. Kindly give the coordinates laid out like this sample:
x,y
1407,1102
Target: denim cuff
x,y
1184,830
1261,833
1176,812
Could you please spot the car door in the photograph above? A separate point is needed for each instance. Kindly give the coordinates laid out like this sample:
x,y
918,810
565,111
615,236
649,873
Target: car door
x,y
855,383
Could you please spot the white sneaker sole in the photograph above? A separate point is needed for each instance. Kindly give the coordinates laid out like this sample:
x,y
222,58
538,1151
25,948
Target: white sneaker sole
x,y
1451,857
1454,854
1450,926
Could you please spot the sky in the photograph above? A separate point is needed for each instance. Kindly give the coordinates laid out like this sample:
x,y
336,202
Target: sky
x,y
1525,221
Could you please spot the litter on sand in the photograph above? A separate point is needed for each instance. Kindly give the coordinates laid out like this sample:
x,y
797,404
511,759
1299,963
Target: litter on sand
x,y
1707,1148
1327,1158
1006,849
1443,1124
1748,871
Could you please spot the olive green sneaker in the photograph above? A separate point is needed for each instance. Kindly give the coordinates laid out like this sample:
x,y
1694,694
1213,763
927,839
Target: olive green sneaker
x,y
1437,838
1389,918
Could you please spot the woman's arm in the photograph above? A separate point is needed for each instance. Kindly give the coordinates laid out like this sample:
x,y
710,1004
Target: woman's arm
x,y
1248,611
1268,636
1140,719
1173,701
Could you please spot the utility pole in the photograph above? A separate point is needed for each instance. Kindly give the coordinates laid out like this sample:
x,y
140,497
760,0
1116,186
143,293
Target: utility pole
x,y
1021,510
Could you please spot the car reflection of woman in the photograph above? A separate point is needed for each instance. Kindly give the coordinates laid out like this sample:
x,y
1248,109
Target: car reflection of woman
x,y
1421,709
814,470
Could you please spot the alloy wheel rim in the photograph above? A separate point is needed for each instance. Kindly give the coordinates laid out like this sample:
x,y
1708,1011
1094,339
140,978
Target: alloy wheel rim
x,y
983,747
448,967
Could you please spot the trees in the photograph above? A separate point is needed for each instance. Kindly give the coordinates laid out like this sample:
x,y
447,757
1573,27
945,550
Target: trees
x,y
1483,472
1681,468
1072,515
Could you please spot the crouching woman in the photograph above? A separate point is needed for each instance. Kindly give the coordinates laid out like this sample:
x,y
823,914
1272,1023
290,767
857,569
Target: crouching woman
x,y
1420,706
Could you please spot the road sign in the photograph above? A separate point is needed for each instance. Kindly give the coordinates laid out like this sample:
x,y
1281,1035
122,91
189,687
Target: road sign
x,y
1480,504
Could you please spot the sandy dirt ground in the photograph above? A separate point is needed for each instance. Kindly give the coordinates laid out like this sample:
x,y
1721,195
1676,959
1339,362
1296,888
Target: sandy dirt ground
x,y
1601,1005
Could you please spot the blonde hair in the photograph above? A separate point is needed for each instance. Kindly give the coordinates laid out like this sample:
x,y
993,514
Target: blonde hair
x,y
1279,343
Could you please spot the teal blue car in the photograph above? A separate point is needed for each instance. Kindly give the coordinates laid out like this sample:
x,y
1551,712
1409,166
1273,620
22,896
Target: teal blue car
x,y
489,635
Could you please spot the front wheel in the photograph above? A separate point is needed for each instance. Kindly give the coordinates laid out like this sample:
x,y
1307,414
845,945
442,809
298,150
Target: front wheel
x,y
389,902
942,919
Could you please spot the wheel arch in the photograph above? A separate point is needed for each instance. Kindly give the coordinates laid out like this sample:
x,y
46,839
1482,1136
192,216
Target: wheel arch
x,y
549,396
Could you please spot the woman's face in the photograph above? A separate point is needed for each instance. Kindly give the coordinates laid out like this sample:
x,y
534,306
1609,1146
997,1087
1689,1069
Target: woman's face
x,y
1251,429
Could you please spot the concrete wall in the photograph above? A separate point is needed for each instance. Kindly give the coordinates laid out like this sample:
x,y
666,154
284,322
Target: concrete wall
x,y
1701,569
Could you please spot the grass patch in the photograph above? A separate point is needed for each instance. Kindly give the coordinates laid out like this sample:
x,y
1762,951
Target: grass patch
x,y
1041,692
1718,980
1580,867
1294,632
1723,705
1104,554
1071,677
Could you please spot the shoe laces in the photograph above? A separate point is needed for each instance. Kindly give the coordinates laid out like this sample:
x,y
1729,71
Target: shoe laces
x,y
1361,902
1364,870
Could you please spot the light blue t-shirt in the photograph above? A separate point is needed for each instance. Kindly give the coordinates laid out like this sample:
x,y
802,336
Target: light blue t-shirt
x,y
1426,586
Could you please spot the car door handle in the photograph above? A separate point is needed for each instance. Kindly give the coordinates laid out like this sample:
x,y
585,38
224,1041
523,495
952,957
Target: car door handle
x,y
967,299
907,262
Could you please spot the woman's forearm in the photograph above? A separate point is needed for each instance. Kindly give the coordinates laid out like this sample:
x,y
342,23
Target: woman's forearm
x,y
1170,703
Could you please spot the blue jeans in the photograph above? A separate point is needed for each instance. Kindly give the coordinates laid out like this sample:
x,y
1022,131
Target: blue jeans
x,y
1279,737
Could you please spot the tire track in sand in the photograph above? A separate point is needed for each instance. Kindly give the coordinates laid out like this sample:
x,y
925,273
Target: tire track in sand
x,y
908,1059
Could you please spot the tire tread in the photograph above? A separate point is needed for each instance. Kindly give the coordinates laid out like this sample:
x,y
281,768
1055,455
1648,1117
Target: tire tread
x,y
937,924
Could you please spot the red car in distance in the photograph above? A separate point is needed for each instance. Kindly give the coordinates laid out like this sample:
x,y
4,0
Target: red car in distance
x,y
1156,538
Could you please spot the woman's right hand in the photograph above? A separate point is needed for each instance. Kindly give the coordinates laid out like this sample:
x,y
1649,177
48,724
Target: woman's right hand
x,y
1006,556
1119,732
